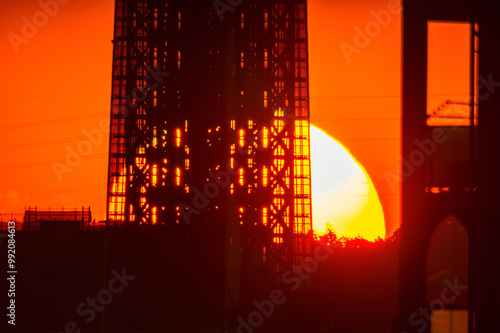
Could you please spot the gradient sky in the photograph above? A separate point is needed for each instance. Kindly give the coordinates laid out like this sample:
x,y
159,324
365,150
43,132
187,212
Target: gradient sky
x,y
58,85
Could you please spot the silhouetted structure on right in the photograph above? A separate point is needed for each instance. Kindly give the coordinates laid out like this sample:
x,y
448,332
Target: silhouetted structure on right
x,y
449,250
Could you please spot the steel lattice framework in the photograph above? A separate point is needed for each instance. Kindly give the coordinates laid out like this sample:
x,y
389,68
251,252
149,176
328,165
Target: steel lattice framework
x,y
210,123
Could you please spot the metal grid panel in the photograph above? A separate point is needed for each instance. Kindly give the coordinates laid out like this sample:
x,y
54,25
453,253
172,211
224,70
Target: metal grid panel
x,y
116,167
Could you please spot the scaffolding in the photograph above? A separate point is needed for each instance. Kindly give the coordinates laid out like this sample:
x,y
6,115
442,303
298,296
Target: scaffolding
x,y
75,219
210,124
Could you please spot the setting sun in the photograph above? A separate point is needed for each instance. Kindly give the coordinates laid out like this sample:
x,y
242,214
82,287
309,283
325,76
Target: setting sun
x,y
344,197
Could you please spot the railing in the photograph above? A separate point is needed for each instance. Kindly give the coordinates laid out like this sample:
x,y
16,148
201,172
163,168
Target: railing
x,y
82,226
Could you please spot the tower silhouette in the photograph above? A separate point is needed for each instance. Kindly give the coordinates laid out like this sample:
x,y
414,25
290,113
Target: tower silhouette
x,y
210,126
449,232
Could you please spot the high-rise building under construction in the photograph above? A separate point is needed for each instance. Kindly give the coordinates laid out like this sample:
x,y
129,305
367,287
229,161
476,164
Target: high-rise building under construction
x,y
210,125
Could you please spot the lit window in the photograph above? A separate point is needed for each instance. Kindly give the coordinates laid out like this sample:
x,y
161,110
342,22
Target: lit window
x,y
265,175
178,137
265,137
154,217
178,176
242,137
154,177
241,178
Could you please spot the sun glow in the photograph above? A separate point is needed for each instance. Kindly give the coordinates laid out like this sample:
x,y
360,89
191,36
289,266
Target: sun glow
x,y
343,195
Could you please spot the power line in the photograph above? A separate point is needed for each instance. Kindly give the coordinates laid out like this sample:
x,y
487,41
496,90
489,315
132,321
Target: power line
x,y
46,143
360,119
379,96
53,121
70,189
360,96
373,139
78,92
44,163
88,201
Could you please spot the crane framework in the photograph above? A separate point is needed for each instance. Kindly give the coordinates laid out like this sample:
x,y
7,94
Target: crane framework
x,y
210,124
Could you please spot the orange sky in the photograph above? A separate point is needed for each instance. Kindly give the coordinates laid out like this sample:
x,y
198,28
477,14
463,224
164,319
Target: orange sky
x,y
358,102
58,85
